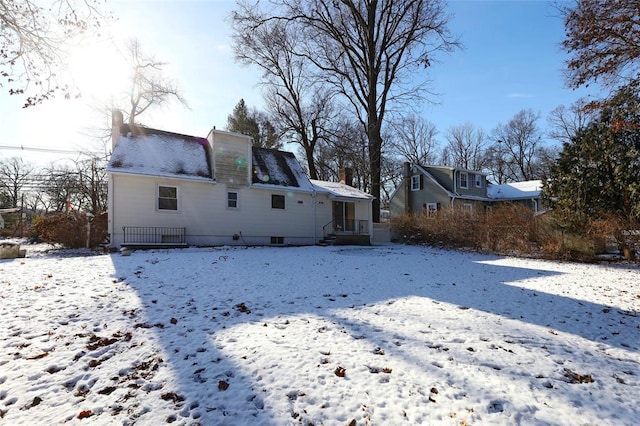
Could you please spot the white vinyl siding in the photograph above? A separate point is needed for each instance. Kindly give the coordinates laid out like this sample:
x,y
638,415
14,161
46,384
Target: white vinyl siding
x,y
203,212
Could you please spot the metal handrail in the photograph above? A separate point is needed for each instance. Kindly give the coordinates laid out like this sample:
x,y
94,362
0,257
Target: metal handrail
x,y
360,227
154,235
324,232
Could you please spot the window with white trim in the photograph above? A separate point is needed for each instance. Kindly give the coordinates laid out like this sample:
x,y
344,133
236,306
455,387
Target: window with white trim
x,y
478,179
467,208
167,197
432,209
232,200
463,180
415,182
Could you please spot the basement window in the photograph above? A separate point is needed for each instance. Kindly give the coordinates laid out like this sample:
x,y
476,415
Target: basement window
x,y
432,209
277,240
277,201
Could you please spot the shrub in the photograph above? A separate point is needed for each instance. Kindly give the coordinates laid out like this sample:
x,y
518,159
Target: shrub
x,y
510,229
70,229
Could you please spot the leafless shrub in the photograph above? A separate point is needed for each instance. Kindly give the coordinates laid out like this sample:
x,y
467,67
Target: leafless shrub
x,y
70,229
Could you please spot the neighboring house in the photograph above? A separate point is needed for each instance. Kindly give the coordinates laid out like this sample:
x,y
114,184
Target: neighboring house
x,y
3,223
527,193
176,190
427,189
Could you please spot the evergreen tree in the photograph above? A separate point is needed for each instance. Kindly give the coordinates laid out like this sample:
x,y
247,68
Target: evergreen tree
x,y
255,124
597,172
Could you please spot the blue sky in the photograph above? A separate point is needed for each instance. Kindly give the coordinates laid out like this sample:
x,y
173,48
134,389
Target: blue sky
x,y
511,61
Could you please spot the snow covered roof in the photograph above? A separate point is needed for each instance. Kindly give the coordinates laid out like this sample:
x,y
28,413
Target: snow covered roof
x,y
339,189
515,190
160,153
279,168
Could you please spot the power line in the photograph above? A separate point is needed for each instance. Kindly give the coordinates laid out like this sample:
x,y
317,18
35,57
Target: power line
x,y
49,150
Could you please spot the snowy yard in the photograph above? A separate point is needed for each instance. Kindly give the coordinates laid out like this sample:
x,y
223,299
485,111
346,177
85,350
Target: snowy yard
x,y
383,335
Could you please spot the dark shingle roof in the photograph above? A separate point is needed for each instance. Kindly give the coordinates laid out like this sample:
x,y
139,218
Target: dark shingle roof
x,y
158,152
280,168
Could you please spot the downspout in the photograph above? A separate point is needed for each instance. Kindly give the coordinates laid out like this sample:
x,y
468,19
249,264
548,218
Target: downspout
x,y
453,198
315,220
370,221
117,121
111,209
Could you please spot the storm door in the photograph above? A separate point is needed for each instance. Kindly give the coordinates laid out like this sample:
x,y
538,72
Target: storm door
x,y
344,216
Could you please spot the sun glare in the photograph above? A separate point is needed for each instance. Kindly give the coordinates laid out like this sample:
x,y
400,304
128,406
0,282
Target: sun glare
x,y
99,71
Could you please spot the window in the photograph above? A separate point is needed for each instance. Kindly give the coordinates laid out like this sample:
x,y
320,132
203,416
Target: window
x,y
432,209
277,240
416,182
478,181
232,200
277,201
167,198
463,180
467,208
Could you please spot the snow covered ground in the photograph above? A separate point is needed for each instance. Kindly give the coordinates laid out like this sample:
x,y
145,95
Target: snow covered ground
x,y
383,335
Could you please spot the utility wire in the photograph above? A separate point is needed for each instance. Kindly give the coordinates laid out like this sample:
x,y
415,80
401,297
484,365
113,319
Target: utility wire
x,y
50,150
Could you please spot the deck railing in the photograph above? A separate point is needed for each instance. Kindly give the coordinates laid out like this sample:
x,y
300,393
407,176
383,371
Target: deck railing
x,y
351,226
153,235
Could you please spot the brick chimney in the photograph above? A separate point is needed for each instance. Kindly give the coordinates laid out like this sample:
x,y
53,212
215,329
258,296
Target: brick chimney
x,y
117,120
346,175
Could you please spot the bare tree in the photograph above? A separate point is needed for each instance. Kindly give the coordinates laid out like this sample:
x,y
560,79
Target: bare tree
x,y
392,175
566,122
466,146
346,146
34,44
371,52
518,144
414,139
496,163
61,186
14,176
92,185
149,86
301,106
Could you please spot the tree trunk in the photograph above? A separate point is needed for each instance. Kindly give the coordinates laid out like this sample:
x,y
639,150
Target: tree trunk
x,y
375,151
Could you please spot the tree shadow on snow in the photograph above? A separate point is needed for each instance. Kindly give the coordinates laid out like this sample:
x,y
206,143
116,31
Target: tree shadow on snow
x,y
190,298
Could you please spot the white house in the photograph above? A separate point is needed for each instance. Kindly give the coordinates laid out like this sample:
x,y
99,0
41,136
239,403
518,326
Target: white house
x,y
176,190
